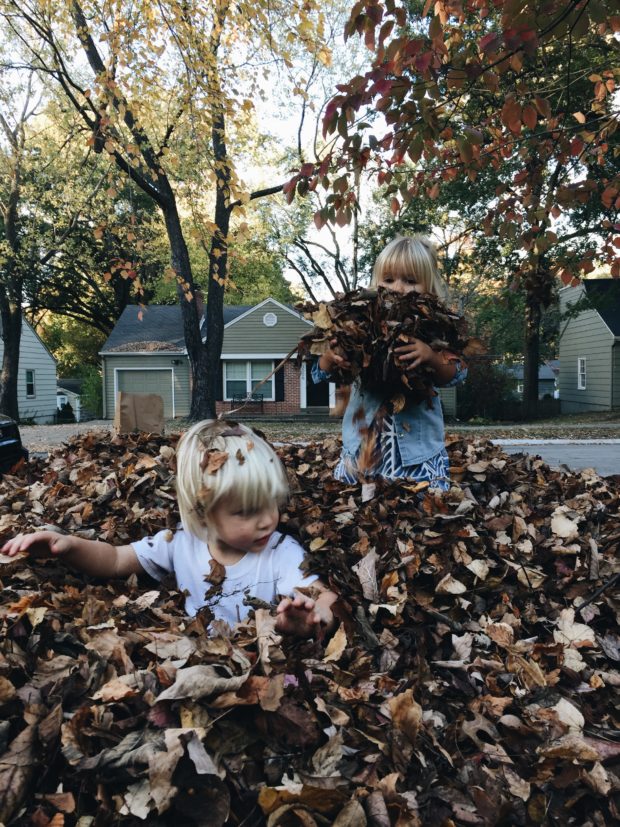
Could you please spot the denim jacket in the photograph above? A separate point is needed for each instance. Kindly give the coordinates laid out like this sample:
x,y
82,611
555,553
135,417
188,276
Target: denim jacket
x,y
419,429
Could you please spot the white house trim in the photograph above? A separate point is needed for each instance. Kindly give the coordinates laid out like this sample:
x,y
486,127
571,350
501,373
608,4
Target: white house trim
x,y
256,357
303,397
116,370
256,307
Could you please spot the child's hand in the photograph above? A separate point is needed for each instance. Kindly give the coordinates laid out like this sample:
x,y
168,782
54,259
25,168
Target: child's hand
x,y
302,617
415,353
38,544
330,360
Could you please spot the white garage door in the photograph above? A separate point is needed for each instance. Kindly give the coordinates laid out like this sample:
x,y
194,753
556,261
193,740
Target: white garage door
x,y
148,381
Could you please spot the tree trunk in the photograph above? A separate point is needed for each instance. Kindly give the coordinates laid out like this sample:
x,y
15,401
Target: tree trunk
x,y
533,312
201,405
11,315
218,255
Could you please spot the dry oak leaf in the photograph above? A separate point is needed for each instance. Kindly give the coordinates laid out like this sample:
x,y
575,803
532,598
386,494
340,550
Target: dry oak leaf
x,y
202,681
450,585
16,767
573,634
336,646
562,526
406,714
213,461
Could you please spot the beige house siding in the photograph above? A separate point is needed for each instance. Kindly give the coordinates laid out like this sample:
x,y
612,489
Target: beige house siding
x,y
585,337
250,334
128,362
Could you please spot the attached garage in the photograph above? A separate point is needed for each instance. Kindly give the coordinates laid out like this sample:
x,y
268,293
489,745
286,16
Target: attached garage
x,y
145,380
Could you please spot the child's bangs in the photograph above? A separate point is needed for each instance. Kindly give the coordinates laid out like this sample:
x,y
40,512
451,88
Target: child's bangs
x,y
252,480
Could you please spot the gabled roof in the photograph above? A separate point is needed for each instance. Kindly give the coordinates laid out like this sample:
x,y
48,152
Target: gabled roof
x,y
251,308
71,385
604,295
159,329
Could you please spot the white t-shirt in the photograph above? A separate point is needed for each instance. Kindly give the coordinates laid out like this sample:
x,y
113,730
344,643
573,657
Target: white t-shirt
x,y
265,574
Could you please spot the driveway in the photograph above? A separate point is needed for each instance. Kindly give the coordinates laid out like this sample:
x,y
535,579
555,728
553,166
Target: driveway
x,y
602,454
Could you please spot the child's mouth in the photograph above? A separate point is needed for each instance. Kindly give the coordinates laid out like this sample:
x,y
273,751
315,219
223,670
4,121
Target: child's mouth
x,y
262,540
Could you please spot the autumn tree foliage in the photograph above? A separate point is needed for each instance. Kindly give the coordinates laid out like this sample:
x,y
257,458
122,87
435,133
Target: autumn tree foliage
x,y
457,88
165,92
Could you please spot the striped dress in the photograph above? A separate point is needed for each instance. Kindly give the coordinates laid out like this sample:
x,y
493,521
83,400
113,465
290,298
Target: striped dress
x,y
435,470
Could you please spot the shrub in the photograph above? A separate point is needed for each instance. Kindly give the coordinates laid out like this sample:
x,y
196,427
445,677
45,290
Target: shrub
x,y
92,392
487,392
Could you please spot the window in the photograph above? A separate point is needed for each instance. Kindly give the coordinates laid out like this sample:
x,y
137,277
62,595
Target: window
x,y
243,377
581,374
30,389
235,378
519,387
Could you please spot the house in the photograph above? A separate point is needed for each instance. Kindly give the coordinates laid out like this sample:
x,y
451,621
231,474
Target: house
x,y
546,380
68,391
36,379
147,355
590,346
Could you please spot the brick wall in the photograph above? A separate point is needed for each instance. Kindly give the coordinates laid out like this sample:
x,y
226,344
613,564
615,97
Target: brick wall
x,y
289,405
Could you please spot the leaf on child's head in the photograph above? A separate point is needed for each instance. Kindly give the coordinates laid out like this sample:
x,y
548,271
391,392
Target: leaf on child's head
x,y
212,461
235,431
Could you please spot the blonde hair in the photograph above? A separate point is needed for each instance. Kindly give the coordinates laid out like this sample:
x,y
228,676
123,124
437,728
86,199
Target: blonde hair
x,y
414,255
219,460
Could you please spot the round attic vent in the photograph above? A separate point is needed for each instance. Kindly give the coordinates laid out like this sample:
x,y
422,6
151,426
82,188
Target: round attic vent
x,y
270,319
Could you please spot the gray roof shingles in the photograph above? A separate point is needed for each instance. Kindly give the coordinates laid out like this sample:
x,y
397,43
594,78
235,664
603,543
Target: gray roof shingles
x,y
160,328
604,295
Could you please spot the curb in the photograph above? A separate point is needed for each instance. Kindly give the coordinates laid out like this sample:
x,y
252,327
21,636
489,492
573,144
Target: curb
x,y
555,441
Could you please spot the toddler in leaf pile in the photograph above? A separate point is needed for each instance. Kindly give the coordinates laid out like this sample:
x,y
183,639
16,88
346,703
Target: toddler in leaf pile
x,y
230,484
378,438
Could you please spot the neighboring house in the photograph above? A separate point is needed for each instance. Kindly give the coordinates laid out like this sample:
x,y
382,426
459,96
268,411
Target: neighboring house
x,y
68,391
36,379
148,355
546,380
590,347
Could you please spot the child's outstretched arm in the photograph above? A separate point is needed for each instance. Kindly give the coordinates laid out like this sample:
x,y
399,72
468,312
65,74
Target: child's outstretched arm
x,y
304,617
417,353
93,557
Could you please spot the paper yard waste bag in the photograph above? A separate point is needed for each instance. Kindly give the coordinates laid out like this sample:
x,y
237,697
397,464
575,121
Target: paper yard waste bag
x,y
139,412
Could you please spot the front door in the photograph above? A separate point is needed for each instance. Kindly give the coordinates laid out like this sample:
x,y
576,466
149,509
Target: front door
x,y
317,396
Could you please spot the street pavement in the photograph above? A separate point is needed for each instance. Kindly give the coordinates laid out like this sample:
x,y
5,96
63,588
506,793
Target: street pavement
x,y
601,454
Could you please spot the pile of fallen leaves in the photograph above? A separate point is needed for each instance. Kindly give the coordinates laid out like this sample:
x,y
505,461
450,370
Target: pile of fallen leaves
x,y
366,326
472,680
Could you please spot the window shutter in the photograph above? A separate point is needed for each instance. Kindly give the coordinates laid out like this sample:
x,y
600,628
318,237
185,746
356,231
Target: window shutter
x,y
279,380
219,386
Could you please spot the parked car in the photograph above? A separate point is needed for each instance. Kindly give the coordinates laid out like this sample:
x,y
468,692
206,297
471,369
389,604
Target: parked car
x,y
11,448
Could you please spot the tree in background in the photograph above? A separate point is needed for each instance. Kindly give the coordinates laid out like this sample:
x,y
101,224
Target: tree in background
x,y
169,99
30,237
525,90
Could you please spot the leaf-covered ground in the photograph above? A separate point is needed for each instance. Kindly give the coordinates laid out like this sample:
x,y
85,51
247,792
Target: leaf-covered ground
x,y
473,678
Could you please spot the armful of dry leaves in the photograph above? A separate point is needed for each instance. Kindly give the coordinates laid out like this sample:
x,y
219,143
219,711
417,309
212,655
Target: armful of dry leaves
x,y
366,326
